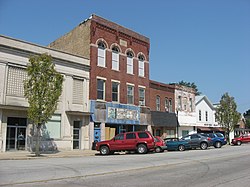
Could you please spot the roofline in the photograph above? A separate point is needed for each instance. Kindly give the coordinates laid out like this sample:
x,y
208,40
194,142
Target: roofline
x,y
35,48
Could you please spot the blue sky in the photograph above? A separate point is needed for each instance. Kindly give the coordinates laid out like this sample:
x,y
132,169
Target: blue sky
x,y
206,42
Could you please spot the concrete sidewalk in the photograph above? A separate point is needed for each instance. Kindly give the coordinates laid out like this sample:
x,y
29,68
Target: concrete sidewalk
x,y
25,155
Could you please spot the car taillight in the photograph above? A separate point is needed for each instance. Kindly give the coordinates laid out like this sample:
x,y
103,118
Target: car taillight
x,y
209,139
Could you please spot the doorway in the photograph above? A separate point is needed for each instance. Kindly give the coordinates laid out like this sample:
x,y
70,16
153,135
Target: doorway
x,y
76,134
16,133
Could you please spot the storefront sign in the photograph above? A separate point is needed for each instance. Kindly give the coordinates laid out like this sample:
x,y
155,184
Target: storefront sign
x,y
122,114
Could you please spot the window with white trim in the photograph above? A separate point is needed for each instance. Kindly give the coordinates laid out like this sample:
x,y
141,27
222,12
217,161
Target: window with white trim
x,y
179,103
16,76
141,66
141,96
130,94
115,58
199,115
206,113
101,61
115,91
170,105
166,104
191,104
77,91
130,62
101,89
158,103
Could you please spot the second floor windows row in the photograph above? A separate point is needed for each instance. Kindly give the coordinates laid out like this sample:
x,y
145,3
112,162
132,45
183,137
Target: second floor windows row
x,y
115,92
115,61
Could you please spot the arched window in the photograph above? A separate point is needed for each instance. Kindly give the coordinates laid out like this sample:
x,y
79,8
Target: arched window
x,y
141,66
115,58
130,64
101,61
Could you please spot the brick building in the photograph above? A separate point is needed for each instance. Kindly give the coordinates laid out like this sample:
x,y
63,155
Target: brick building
x,y
162,106
119,75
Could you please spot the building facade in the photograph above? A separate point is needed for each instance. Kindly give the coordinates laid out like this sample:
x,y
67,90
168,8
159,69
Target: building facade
x,y
205,116
185,109
162,107
119,75
68,128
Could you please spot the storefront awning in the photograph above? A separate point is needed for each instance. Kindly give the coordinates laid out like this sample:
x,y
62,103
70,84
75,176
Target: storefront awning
x,y
164,119
210,128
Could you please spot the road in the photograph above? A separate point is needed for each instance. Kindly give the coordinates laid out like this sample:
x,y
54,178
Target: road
x,y
228,166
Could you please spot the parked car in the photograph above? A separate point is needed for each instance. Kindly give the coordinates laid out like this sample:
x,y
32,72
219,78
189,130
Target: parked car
x,y
242,139
218,139
160,145
175,144
198,141
140,141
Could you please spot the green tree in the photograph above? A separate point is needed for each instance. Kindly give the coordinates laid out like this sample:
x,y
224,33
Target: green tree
x,y
190,85
247,118
42,88
227,115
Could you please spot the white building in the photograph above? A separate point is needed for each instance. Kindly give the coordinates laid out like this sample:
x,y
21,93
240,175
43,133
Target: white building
x,y
205,115
185,109
68,128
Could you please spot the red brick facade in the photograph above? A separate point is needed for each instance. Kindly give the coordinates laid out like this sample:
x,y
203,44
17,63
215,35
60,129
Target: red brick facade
x,y
112,34
163,91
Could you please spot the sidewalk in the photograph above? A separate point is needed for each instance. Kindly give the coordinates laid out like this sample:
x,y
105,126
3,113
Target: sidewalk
x,y
25,155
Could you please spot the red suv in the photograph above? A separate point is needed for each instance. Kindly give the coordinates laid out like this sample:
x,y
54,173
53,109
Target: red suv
x,y
242,139
141,141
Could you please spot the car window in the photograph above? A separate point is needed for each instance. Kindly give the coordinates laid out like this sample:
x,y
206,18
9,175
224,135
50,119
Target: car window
x,y
130,136
219,135
186,138
143,135
119,137
194,136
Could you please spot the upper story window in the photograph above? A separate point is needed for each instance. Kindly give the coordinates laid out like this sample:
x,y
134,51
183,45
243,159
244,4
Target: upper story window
x,y
141,66
166,104
179,103
199,115
130,64
101,61
141,96
77,91
170,104
115,91
191,104
158,102
115,58
130,94
16,76
206,115
101,89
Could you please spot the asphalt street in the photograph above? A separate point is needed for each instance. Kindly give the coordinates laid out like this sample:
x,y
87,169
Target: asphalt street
x,y
228,166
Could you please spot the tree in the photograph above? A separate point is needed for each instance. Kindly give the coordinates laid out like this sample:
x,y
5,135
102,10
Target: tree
x,y
42,88
247,117
190,85
227,115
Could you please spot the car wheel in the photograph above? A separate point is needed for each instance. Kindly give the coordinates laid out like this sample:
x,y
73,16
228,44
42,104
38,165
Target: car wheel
x,y
104,150
203,145
238,142
217,145
142,149
181,148
158,150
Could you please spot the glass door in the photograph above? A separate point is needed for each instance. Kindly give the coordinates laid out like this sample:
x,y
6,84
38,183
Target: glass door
x,y
16,134
76,134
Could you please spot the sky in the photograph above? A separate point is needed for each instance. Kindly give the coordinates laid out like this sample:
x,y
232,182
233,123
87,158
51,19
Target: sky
x,y
205,42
